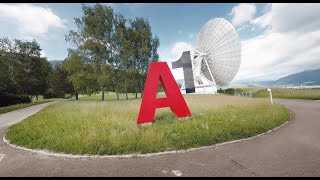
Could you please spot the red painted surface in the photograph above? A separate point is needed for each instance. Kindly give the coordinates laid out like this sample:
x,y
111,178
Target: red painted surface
x,y
174,100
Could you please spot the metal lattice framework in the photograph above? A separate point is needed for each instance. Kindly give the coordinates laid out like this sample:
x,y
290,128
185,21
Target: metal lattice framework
x,y
217,55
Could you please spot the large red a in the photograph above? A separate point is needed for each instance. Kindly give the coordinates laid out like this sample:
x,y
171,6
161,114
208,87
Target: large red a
x,y
160,71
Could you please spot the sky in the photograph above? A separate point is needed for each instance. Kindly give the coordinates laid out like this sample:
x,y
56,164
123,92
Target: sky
x,y
276,39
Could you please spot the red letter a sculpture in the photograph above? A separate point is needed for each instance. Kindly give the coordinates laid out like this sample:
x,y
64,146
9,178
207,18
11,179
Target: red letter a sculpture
x,y
174,99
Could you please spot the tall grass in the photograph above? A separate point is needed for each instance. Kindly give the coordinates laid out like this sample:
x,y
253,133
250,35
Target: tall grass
x,y
290,93
95,127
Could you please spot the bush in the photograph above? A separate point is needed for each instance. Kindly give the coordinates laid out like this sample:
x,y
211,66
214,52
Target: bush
x,y
11,99
220,90
230,91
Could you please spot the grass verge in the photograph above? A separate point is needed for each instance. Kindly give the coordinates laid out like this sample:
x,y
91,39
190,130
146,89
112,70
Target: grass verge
x,y
20,106
290,93
109,128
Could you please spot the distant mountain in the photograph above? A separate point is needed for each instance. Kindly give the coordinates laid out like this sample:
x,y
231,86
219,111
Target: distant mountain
x,y
309,77
250,83
55,62
265,83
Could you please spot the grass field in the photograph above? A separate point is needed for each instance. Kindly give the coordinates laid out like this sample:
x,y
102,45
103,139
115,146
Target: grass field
x,y
109,96
290,93
95,127
20,106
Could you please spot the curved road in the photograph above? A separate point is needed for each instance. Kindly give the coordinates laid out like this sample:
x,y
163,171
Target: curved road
x,y
292,150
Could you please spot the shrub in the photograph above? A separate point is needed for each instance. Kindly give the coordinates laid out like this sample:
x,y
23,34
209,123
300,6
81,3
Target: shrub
x,y
229,91
11,99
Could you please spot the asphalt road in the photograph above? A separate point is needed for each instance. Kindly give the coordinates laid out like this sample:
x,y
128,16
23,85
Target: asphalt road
x,y
292,150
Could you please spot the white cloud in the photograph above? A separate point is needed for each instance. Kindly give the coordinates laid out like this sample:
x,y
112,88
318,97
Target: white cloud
x,y
43,53
301,17
179,47
262,21
285,47
31,19
243,27
243,13
289,44
290,17
173,53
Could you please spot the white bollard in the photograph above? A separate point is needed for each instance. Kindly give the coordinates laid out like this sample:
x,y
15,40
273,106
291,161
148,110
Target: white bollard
x,y
270,95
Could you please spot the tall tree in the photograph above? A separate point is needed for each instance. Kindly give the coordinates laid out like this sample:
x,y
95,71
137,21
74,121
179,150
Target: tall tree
x,y
80,73
119,51
35,70
24,71
95,37
125,37
59,84
6,65
145,47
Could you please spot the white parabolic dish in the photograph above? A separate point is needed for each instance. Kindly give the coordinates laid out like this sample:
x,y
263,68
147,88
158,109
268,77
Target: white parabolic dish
x,y
217,47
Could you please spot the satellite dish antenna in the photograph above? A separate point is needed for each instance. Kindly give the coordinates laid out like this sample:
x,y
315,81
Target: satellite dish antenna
x,y
216,57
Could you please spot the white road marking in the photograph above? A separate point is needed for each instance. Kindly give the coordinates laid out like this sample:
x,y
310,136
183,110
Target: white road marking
x,y
1,157
176,172
164,171
201,164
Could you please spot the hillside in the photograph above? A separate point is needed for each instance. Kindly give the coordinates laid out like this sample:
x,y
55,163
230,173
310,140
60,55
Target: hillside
x,y
305,78
309,77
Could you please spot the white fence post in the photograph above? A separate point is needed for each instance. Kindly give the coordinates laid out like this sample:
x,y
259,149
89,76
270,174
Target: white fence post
x,y
270,95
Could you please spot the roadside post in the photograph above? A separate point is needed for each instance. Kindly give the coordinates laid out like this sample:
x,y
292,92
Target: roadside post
x,y
270,95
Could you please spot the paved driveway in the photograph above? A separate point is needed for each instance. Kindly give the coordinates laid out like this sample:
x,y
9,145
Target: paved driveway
x,y
292,150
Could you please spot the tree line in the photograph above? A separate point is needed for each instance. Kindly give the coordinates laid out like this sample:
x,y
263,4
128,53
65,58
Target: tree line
x,y
22,70
111,53
24,74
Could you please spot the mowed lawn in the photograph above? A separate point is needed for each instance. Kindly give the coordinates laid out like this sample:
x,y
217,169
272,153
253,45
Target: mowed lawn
x,y
110,96
109,128
311,94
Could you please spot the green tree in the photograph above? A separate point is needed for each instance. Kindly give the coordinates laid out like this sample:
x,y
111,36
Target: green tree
x,y
80,73
119,51
145,50
34,73
23,71
6,62
59,83
95,38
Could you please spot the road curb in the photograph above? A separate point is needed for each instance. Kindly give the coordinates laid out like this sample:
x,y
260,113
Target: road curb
x,y
75,156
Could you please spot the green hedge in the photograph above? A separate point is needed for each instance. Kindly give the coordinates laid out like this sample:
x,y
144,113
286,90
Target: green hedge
x,y
11,99
230,91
